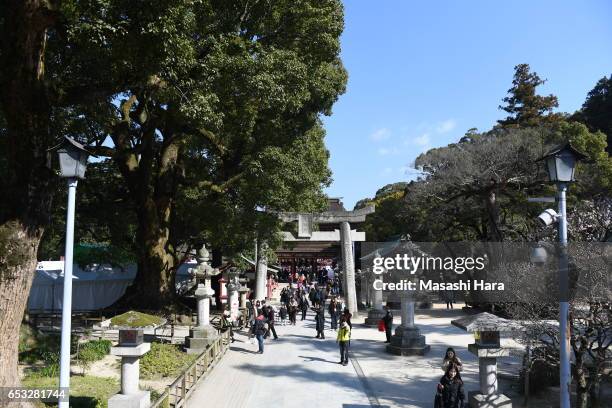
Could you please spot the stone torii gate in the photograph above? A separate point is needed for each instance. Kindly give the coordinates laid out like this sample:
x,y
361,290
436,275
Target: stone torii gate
x,y
343,234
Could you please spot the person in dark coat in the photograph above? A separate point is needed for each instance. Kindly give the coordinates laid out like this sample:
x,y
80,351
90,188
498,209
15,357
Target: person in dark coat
x,y
333,313
292,309
450,390
320,321
346,316
269,314
304,306
284,297
388,320
259,329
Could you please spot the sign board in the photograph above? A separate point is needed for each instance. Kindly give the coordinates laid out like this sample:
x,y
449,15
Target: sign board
x,y
487,338
131,337
304,226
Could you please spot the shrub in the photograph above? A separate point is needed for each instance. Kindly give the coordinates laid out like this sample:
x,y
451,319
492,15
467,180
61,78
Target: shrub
x,y
164,360
92,351
51,367
99,348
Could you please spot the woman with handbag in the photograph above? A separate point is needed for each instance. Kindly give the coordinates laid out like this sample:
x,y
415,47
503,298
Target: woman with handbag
x,y
450,390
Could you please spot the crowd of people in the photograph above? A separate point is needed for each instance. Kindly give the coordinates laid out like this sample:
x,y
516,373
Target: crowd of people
x,y
300,298
318,298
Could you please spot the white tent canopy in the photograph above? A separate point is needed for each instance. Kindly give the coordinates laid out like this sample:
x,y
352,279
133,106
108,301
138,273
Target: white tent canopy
x,y
95,287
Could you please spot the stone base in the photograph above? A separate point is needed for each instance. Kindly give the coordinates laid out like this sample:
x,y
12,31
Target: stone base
x,y
374,316
199,338
425,305
478,400
408,341
140,400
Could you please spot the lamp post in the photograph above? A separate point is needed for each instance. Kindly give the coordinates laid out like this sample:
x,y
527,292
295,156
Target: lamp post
x,y
560,166
73,162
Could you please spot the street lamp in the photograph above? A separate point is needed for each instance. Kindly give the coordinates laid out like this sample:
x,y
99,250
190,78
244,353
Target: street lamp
x,y
73,162
560,166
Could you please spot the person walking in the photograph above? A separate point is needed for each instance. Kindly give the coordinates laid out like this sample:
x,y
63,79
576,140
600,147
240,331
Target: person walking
x,y
346,316
450,358
284,296
320,321
259,329
283,314
333,313
388,320
450,392
269,314
343,339
304,306
227,324
449,296
293,309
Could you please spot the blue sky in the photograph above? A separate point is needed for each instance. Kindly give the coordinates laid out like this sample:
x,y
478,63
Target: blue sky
x,y
423,72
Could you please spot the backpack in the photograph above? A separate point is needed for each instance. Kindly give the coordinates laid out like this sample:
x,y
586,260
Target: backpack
x,y
259,327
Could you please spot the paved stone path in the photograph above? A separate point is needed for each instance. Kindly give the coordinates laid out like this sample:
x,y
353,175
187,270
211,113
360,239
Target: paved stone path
x,y
299,370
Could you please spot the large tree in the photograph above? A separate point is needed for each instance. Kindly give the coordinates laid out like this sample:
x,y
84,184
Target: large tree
x,y
596,111
208,95
523,105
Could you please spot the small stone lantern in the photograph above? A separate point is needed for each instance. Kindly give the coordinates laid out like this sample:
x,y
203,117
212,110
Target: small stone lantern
x,y
244,291
487,347
233,286
131,347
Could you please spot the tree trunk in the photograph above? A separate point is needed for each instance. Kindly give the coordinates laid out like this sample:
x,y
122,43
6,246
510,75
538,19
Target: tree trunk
x,y
153,281
582,396
17,265
495,234
152,179
25,186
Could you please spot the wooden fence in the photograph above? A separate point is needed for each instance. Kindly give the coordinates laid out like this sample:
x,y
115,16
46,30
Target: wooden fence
x,y
177,393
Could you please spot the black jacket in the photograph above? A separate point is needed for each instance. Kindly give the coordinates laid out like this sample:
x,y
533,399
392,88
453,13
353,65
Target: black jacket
x,y
452,394
388,319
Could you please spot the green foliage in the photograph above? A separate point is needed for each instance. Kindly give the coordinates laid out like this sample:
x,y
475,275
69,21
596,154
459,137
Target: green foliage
x,y
37,346
524,106
477,189
164,360
51,364
136,319
85,391
595,175
213,111
92,351
596,111
388,222
107,223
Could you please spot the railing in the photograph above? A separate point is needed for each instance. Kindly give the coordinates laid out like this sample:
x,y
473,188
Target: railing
x,y
177,393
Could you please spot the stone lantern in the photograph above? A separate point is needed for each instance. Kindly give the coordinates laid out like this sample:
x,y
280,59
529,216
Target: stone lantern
x,y
407,340
204,333
131,347
233,286
487,347
244,291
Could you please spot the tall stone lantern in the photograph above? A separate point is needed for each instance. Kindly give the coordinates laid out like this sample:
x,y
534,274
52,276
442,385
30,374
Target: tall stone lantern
x,y
233,288
487,347
204,333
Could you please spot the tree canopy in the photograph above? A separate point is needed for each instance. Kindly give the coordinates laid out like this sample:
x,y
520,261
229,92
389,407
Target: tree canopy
x,y
209,111
523,105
